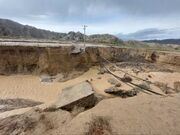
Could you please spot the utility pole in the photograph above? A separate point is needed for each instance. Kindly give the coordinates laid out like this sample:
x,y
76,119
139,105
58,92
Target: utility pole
x,y
84,27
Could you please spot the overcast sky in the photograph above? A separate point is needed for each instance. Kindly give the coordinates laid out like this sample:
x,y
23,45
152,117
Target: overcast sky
x,y
131,18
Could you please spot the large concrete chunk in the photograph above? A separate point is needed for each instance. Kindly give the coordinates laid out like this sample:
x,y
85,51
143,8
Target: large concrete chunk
x,y
80,95
76,49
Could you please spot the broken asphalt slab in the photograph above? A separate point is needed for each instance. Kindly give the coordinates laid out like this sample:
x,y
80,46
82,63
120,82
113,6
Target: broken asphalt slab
x,y
80,95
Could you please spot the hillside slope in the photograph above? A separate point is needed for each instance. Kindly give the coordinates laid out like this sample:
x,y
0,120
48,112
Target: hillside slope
x,y
11,29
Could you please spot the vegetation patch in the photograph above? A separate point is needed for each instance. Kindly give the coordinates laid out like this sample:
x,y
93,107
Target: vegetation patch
x,y
99,126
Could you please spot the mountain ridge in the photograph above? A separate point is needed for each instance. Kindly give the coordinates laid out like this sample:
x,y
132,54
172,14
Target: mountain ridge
x,y
12,29
164,41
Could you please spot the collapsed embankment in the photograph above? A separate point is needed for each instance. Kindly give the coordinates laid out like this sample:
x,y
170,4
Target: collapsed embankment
x,y
53,60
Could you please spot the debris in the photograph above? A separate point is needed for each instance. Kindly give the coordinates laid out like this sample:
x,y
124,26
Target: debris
x,y
121,93
144,85
164,87
149,76
177,87
136,71
154,56
118,84
46,79
119,78
63,77
76,49
166,70
113,81
102,71
80,95
127,78
111,90
112,68
60,77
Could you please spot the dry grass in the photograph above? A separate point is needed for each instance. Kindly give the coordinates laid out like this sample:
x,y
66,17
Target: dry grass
x,y
26,123
99,126
46,122
164,87
17,125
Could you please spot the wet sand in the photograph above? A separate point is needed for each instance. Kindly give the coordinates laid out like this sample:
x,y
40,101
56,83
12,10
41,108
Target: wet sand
x,y
31,87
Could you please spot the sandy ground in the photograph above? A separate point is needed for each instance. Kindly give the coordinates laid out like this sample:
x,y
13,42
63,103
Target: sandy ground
x,y
30,87
142,114
137,115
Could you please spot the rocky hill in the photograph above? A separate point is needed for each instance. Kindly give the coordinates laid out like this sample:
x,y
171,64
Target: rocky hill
x,y
104,38
11,29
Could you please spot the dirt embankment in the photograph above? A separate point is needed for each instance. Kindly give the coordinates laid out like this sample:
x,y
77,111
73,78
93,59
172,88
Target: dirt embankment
x,y
137,115
53,60
142,114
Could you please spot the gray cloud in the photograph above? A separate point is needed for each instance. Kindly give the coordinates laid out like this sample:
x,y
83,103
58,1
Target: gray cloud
x,y
66,9
102,15
152,33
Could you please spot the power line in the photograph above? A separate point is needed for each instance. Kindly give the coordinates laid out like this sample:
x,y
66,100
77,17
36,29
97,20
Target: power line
x,y
84,28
